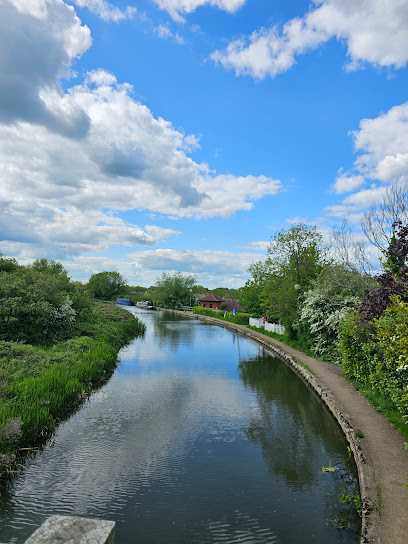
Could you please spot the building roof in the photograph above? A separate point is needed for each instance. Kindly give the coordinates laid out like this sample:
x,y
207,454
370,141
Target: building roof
x,y
209,297
229,305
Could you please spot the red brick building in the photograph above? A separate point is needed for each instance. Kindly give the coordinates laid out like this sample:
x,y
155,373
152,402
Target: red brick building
x,y
211,301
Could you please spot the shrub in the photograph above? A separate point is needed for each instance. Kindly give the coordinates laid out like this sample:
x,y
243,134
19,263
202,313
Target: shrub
x,y
239,318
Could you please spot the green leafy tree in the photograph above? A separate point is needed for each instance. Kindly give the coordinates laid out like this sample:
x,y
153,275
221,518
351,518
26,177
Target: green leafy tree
x,y
174,290
48,266
7,264
252,292
35,307
106,285
295,257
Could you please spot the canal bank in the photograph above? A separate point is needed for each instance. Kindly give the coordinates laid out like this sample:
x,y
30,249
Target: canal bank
x,y
380,455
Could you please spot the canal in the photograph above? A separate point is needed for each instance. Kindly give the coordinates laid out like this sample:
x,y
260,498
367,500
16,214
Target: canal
x,y
200,436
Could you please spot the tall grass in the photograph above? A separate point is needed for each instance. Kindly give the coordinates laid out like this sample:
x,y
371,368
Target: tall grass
x,y
40,385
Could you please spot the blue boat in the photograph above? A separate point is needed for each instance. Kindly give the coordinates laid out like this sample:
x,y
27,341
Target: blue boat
x,y
125,301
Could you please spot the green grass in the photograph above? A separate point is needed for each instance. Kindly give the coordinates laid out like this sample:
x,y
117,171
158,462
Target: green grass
x,y
296,344
239,319
41,385
384,405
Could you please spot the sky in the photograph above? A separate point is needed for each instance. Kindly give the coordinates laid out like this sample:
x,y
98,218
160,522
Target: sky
x,y
181,135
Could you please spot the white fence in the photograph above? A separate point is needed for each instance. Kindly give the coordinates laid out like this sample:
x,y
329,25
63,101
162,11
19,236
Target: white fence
x,y
272,327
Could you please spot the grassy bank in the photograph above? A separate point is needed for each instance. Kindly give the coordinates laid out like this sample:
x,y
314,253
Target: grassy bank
x,y
40,385
239,318
296,344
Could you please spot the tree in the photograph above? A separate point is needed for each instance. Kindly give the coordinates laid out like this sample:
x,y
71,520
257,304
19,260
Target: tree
x,y
325,304
295,257
393,280
7,264
48,266
35,307
380,220
174,290
106,285
251,297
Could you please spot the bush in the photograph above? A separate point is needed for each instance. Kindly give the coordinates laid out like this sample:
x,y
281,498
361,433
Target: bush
x,y
35,307
239,318
375,354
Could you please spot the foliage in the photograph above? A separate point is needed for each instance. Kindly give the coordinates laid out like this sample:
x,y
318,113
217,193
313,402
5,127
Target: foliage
x,y
251,297
40,385
325,304
394,279
35,307
174,290
375,355
49,267
106,285
225,292
295,257
7,264
239,318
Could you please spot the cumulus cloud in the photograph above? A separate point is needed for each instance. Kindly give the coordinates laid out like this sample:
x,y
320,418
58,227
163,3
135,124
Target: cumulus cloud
x,y
177,8
375,32
106,10
65,156
221,262
210,268
38,42
346,183
382,145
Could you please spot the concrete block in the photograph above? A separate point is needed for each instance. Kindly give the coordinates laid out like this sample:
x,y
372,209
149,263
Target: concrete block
x,y
73,530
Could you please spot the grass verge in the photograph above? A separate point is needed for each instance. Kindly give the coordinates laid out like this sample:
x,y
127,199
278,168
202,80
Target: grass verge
x,y
384,405
285,339
41,385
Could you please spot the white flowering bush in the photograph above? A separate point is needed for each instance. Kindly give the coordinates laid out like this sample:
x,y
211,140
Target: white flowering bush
x,y
325,306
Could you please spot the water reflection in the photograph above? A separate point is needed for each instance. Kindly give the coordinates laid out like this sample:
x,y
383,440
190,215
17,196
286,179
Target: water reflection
x,y
198,437
289,418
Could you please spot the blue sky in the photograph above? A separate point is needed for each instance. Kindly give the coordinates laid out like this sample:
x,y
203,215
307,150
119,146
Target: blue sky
x,y
163,135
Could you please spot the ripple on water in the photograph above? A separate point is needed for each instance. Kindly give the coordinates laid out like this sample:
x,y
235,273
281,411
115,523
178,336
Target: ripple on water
x,y
197,438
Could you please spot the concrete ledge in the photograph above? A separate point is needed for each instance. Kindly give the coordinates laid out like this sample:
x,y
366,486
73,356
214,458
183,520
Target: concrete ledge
x,y
73,530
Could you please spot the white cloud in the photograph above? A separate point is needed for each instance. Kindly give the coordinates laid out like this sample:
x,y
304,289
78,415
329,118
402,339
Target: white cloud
x,y
260,245
346,183
38,42
106,11
177,8
163,31
64,157
373,30
382,144
208,266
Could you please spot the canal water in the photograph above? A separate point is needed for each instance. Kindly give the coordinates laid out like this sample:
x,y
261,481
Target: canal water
x,y
200,436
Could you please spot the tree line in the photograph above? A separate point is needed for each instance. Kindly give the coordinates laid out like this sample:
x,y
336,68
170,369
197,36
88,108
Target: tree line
x,y
332,302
